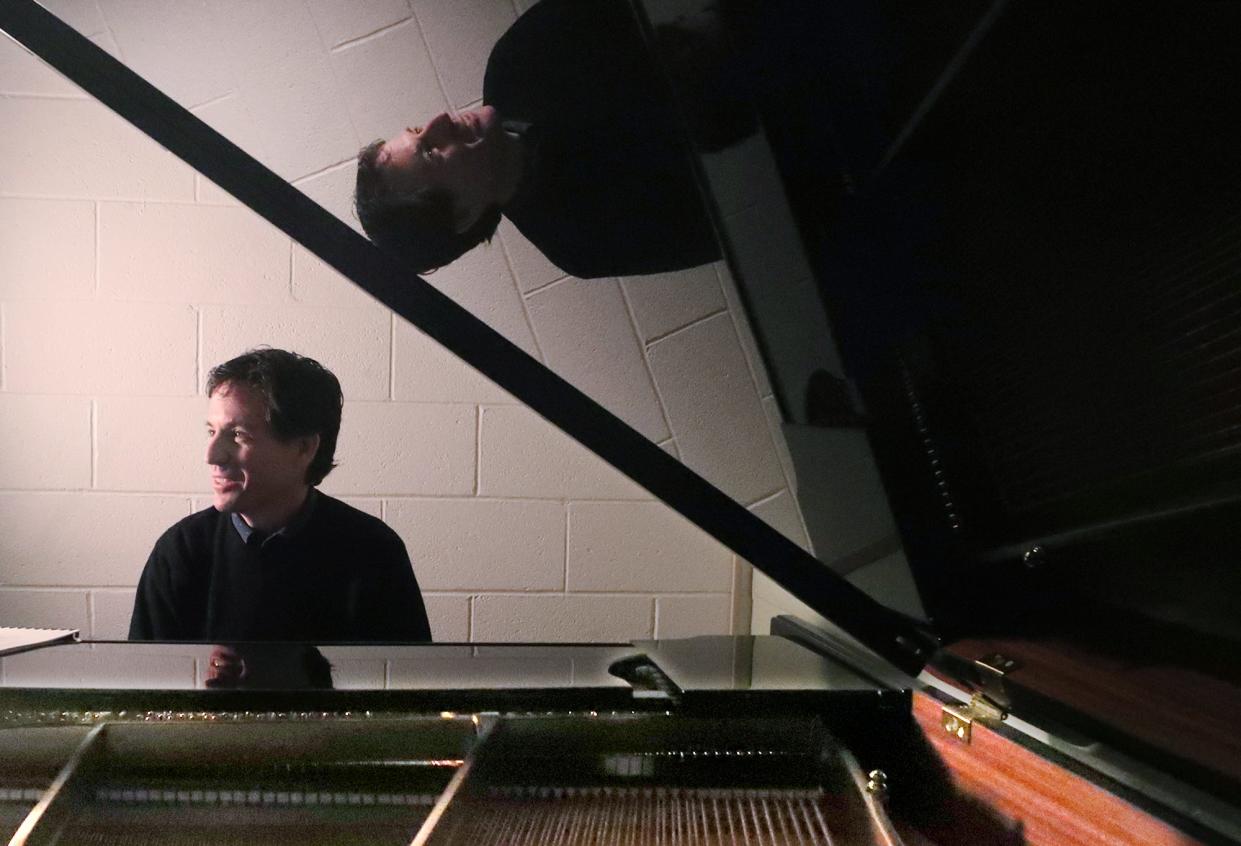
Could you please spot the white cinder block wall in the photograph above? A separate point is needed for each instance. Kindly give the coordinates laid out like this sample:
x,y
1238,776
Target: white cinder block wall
x,y
124,276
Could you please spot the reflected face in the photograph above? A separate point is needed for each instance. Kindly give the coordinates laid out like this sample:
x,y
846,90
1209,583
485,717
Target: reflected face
x,y
463,155
253,472
226,669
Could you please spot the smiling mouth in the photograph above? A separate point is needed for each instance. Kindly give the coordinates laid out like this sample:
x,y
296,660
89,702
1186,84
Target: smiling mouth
x,y
224,484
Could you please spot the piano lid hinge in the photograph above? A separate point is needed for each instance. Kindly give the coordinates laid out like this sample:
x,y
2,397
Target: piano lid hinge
x,y
990,671
989,705
958,720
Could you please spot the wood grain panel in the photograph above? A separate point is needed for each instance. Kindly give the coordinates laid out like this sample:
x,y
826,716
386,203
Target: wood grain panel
x,y
1048,804
1132,690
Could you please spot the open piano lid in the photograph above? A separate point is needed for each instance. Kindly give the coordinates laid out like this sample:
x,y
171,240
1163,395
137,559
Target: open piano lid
x,y
970,559
1024,223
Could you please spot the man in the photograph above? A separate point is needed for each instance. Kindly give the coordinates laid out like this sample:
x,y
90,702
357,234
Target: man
x,y
577,145
274,558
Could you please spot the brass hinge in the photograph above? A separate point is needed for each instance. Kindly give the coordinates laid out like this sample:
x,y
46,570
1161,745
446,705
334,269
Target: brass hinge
x,y
958,720
989,706
991,670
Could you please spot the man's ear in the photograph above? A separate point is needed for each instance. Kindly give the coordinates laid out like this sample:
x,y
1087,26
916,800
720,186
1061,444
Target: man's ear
x,y
308,446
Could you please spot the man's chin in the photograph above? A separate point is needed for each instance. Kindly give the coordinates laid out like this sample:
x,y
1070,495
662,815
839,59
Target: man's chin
x,y
488,120
225,504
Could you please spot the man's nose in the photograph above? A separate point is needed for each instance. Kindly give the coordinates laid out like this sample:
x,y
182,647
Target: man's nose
x,y
217,452
439,129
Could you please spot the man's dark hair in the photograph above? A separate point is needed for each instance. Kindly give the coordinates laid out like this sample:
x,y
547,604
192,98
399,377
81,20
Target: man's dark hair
x,y
418,225
302,396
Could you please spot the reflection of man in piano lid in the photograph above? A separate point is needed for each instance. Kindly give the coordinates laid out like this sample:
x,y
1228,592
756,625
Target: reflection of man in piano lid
x,y
274,558
578,146
267,666
445,183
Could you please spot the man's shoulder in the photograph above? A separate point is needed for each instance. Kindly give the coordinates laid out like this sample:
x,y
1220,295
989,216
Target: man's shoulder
x,y
190,541
355,523
546,19
199,525
536,64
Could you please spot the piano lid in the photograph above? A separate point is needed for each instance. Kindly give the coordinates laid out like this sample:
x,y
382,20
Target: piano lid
x,y
1029,263
1023,223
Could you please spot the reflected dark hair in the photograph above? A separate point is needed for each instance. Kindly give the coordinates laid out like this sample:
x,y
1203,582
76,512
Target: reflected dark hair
x,y
416,226
302,396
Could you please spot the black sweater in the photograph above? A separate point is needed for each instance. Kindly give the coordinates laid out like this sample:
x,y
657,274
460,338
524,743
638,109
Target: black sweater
x,y
343,577
610,191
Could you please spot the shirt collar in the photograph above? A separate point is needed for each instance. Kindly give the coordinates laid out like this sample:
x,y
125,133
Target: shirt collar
x,y
289,530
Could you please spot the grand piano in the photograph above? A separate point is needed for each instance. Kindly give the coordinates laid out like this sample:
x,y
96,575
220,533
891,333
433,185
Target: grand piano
x,y
1059,445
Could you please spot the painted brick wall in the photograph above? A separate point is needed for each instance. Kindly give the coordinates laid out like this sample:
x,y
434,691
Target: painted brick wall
x,y
124,276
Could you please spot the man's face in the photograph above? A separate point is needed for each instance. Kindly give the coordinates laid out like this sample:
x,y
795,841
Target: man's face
x,y
253,472
457,154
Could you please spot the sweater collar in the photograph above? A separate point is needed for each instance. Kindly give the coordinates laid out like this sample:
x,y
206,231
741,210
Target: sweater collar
x,y
290,530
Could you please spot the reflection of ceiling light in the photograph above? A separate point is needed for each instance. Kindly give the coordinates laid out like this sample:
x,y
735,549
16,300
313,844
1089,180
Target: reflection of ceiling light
x,y
629,765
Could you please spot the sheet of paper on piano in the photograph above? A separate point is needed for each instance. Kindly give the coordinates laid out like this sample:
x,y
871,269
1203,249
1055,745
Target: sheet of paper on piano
x,y
13,639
